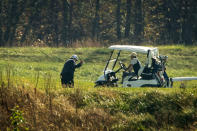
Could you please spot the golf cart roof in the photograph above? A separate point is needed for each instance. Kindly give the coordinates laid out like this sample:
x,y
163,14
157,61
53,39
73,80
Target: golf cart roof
x,y
131,48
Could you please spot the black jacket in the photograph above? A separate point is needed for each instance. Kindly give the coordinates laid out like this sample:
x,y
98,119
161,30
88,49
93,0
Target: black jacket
x,y
69,69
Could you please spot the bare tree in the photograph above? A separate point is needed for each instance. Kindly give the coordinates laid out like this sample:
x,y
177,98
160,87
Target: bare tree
x,y
12,7
95,26
138,29
1,32
70,21
65,22
118,20
128,19
187,22
18,9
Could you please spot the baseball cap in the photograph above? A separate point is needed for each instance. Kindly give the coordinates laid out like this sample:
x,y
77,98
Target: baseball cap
x,y
74,57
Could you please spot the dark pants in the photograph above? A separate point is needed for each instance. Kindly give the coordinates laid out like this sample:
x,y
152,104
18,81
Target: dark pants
x,y
166,77
67,82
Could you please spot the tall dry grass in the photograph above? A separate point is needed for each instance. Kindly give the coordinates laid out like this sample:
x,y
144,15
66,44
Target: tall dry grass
x,y
47,109
46,112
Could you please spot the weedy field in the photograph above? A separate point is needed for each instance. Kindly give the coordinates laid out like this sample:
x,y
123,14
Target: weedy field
x,y
31,97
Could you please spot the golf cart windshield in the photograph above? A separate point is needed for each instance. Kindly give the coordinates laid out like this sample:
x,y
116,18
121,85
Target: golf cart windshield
x,y
112,61
111,64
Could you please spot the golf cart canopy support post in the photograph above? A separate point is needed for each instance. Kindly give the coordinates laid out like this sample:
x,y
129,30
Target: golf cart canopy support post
x,y
116,60
108,61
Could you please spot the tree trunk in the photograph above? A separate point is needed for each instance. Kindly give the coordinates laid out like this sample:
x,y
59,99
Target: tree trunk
x,y
118,20
128,19
15,17
172,12
187,25
138,21
95,27
70,22
65,23
54,22
30,21
1,32
187,32
21,8
11,17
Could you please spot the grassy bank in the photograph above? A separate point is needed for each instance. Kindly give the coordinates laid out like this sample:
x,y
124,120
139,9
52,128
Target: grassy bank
x,y
29,78
99,109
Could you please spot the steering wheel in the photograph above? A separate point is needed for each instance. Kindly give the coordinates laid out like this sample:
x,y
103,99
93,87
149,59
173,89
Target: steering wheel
x,y
122,65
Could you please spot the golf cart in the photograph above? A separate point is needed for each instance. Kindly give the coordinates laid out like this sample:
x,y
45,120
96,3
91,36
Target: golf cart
x,y
151,74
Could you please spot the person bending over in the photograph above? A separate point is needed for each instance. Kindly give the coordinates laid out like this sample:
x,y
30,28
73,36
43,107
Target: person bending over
x,y
67,73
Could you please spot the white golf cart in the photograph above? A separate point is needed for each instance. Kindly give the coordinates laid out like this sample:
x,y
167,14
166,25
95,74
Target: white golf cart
x,y
151,74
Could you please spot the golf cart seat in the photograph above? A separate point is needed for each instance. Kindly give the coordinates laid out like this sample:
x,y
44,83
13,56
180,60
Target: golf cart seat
x,y
152,66
147,74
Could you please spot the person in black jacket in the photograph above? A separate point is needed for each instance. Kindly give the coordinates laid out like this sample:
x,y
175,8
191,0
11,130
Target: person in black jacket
x,y
67,74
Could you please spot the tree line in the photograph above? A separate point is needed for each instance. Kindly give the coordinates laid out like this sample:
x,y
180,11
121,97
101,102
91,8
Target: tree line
x,y
63,22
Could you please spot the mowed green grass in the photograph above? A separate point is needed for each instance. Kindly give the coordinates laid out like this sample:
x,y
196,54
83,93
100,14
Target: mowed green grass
x,y
30,65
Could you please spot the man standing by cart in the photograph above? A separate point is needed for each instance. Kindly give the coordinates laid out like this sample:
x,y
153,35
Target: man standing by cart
x,y
67,74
